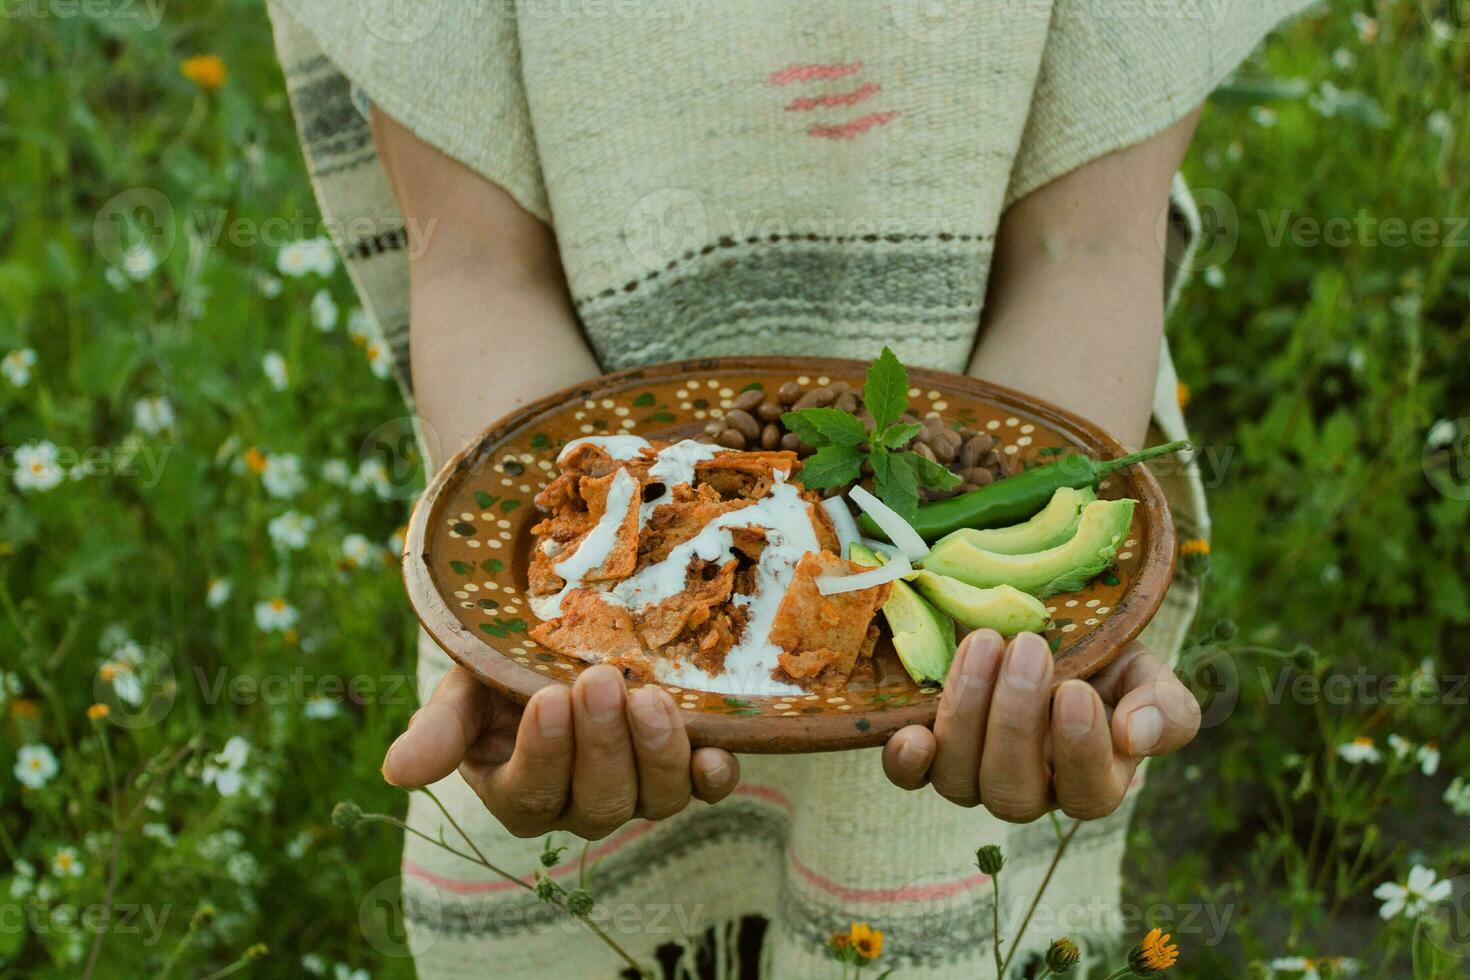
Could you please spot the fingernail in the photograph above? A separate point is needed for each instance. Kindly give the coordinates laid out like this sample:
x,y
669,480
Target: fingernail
x,y
650,716
980,661
604,696
1026,665
1145,727
717,775
388,761
1074,709
911,754
553,718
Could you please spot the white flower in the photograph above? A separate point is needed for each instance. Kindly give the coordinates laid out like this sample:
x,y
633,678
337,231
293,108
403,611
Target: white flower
x,y
373,475
396,541
296,847
378,359
290,531
224,772
1439,123
221,844
1308,969
115,278
1264,116
1400,745
337,472
282,476
319,708
218,592
64,863
359,551
153,414
120,670
139,262
1359,750
10,686
269,286
1414,897
1457,797
296,259
36,467
324,311
1367,27
242,868
17,366
1344,59
360,325
314,964
1428,756
35,765
21,886
276,371
275,615
159,832
1408,305
344,972
1214,277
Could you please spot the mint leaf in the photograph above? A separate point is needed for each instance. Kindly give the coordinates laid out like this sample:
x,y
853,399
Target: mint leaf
x,y
831,425
898,436
887,392
895,482
831,466
932,474
801,424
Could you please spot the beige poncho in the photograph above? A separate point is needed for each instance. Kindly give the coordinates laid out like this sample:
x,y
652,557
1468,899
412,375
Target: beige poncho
x,y
760,176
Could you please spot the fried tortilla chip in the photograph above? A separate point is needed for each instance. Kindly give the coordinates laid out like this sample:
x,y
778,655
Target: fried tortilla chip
x,y
747,476
596,631
821,636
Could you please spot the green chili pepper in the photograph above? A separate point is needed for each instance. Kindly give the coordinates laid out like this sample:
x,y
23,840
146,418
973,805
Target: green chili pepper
x,y
1017,498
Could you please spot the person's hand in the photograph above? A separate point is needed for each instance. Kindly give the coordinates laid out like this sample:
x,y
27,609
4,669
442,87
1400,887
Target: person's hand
x,y
1005,739
585,759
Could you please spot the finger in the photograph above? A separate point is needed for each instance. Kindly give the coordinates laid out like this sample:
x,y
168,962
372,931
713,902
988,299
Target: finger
x,y
1155,714
964,709
661,748
907,756
1090,780
604,776
715,773
1014,780
529,792
440,733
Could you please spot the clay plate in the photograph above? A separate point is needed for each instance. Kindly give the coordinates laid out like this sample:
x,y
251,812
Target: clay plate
x,y
469,542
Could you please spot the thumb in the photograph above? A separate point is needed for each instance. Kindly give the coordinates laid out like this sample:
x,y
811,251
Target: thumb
x,y
440,733
1156,714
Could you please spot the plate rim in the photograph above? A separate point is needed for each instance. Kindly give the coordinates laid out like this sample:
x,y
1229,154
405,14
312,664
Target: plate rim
x,y
805,733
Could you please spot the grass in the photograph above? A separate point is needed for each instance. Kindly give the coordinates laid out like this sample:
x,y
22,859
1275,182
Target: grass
x,y
1326,361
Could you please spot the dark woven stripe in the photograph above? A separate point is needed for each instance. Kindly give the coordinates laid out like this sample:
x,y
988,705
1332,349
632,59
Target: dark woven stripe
x,y
328,122
391,240
727,242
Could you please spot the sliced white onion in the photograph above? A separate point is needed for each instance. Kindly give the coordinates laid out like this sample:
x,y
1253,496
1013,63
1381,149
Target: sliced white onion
x,y
898,530
842,522
896,569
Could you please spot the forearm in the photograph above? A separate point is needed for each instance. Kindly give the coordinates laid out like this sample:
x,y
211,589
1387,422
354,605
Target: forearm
x,y
483,345
1080,330
1075,310
492,324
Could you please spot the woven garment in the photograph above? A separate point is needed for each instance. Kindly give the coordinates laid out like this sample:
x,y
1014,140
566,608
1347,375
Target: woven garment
x,y
760,176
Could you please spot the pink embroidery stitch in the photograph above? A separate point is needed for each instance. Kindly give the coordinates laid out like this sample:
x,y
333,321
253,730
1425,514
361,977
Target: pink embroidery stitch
x,y
828,101
806,73
854,129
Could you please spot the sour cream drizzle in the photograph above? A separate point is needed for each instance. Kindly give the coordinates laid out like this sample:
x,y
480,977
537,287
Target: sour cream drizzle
x,y
784,515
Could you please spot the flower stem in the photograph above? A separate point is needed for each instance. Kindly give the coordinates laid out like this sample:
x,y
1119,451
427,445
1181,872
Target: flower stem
x,y
1056,859
455,824
995,923
114,859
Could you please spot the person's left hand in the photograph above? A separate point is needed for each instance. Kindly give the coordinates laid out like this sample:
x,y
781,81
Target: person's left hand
x,y
1004,738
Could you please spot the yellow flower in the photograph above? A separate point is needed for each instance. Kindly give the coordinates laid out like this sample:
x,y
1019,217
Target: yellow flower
x,y
292,637
205,70
1154,955
98,711
1194,546
255,460
24,708
866,940
1182,392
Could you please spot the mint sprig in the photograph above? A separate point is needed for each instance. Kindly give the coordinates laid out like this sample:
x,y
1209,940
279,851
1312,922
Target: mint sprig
x,y
839,438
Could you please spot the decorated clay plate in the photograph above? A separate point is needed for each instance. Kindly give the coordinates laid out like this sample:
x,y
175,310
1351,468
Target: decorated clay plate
x,y
469,542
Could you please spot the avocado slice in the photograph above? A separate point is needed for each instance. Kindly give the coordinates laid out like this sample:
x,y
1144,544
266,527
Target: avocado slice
x,y
1053,524
923,636
1066,567
1004,609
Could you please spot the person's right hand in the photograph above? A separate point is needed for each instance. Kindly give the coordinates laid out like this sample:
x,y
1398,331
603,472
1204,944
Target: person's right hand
x,y
585,759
